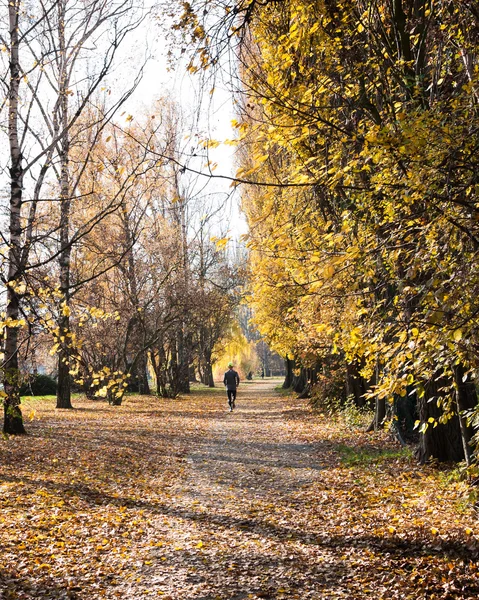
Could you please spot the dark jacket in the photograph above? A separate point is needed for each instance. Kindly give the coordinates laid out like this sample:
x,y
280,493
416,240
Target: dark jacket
x,y
231,379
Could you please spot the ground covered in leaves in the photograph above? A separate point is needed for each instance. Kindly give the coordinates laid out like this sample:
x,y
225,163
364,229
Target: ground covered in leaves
x,y
181,500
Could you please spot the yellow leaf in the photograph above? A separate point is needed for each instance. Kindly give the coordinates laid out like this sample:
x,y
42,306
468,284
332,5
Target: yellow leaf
x,y
329,271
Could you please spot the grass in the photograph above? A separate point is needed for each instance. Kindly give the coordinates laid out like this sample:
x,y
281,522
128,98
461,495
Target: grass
x,y
351,456
199,388
46,397
279,389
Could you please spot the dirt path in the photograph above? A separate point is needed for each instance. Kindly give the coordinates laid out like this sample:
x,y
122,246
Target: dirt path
x,y
239,517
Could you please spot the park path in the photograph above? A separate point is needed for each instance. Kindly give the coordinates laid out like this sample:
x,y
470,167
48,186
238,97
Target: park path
x,y
240,522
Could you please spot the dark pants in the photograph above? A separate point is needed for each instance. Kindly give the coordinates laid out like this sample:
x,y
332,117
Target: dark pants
x,y
231,396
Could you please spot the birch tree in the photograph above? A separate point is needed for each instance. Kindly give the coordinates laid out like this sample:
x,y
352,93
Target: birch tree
x,y
44,43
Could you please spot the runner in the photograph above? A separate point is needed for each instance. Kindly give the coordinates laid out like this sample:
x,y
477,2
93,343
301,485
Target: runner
x,y
231,381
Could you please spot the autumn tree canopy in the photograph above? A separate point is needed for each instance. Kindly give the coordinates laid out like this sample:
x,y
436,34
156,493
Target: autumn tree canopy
x,y
357,134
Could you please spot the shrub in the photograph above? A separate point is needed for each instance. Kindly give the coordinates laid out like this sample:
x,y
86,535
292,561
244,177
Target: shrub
x,y
328,396
38,385
328,393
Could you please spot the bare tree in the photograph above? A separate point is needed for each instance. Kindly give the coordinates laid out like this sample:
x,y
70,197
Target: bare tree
x,y
52,37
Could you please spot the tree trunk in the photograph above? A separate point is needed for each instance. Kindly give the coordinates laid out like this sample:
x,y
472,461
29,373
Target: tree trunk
x,y
288,381
379,413
442,443
158,362
64,379
210,382
13,421
466,399
141,373
300,381
201,371
355,384
183,367
192,373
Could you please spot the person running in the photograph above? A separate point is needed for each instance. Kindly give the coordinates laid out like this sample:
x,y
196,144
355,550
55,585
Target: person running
x,y
231,381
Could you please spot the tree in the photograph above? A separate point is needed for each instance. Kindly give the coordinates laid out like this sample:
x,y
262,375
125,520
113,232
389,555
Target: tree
x,y
38,137
359,144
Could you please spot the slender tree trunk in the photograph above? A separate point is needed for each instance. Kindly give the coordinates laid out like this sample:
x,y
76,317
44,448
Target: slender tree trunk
x,y
466,399
192,373
140,373
64,379
201,371
379,413
13,422
202,359
173,366
158,360
154,367
184,353
183,375
209,381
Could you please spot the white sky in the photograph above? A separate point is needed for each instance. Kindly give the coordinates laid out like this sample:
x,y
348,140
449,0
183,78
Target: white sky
x,y
215,117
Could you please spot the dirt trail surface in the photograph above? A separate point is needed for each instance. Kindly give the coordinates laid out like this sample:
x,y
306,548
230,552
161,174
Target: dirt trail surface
x,y
182,500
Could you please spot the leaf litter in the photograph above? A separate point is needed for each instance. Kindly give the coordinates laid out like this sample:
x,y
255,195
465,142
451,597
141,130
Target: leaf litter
x,y
181,500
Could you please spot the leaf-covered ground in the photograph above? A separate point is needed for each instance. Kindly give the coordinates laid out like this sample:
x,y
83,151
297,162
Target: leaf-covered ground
x,y
180,499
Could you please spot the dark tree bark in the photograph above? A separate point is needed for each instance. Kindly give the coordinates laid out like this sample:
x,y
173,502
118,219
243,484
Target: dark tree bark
x,y
289,365
142,375
192,373
300,381
442,443
466,399
379,413
206,371
183,366
210,382
356,385
64,378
